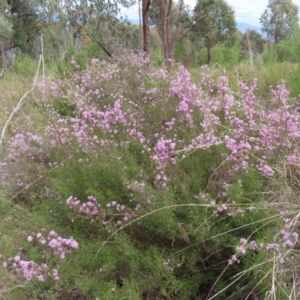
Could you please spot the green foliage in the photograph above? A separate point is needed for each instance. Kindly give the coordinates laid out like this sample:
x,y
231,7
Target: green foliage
x,y
64,107
6,30
295,82
288,48
89,175
63,66
253,41
180,50
183,19
93,51
172,22
279,20
100,22
226,57
158,58
28,19
187,50
269,56
55,46
64,63
216,23
25,65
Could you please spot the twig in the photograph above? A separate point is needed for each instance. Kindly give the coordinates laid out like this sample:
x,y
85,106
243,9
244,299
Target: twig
x,y
250,51
2,72
21,102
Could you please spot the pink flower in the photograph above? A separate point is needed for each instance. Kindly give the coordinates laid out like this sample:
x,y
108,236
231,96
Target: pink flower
x,y
73,244
233,260
240,249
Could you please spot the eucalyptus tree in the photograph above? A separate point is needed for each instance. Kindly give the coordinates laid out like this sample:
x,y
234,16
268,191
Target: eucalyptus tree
x,y
173,22
6,29
279,20
99,20
29,18
216,23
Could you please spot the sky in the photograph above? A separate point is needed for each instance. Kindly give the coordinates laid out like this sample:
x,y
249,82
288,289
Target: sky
x,y
246,11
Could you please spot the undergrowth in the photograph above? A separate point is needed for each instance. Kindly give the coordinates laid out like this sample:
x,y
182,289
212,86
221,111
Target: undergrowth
x,y
130,181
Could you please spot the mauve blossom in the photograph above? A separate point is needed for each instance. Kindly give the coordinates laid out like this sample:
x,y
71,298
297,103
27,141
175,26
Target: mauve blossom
x,y
240,249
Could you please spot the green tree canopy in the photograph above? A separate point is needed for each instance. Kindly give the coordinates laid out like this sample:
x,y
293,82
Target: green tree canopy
x,y
216,23
100,20
6,30
252,41
29,18
279,20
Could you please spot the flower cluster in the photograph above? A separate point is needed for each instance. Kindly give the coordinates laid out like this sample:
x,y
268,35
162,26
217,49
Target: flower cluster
x,y
287,240
91,207
30,269
163,155
61,246
123,211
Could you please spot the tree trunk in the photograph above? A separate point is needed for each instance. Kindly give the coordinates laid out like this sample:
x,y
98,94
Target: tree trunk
x,y
4,64
165,15
146,28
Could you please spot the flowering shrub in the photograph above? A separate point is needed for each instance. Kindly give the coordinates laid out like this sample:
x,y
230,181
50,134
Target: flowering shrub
x,y
29,269
61,246
178,177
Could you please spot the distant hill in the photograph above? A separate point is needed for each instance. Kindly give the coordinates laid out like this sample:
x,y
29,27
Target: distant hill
x,y
134,21
241,26
244,26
